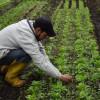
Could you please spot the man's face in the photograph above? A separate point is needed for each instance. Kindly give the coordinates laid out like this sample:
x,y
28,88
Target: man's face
x,y
40,35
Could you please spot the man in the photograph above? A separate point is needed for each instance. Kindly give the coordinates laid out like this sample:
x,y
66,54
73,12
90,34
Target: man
x,y
20,43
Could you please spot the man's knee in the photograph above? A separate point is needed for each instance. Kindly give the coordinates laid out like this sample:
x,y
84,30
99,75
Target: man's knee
x,y
19,55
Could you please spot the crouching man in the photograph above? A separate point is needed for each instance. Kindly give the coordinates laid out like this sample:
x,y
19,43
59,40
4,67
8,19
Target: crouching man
x,y
20,44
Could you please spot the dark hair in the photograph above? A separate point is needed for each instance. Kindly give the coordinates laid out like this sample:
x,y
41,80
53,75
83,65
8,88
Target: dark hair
x,y
45,24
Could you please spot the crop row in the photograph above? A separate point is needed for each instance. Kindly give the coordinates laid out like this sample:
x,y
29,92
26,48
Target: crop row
x,y
87,62
4,3
83,54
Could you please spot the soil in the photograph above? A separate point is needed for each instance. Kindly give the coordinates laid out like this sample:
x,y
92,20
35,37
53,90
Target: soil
x,y
95,16
6,91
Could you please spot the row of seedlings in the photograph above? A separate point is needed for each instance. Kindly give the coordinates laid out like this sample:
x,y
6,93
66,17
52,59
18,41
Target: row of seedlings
x,y
50,88
59,90
6,5
85,46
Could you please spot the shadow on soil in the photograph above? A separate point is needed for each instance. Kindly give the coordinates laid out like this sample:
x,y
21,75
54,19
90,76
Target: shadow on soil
x,y
94,7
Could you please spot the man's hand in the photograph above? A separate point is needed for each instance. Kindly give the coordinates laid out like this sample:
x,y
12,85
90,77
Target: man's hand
x,y
66,78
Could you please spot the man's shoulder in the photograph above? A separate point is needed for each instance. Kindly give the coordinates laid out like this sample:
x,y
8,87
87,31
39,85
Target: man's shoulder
x,y
22,25
25,21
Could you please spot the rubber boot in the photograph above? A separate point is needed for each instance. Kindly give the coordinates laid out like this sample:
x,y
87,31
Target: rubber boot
x,y
4,68
12,73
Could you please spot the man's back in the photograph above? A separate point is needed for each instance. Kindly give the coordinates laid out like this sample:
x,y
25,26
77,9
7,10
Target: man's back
x,y
9,36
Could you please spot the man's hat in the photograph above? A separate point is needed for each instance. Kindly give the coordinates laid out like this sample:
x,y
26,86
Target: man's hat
x,y
45,24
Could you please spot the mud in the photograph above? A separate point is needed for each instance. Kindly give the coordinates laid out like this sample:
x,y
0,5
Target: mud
x,y
94,7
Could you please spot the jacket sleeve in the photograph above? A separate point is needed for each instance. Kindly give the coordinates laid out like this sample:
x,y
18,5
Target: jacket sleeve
x,y
28,43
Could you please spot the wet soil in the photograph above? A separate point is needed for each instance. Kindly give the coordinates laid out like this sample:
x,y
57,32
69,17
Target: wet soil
x,y
94,7
9,93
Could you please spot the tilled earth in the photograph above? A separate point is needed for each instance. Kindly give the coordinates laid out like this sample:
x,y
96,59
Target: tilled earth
x,y
94,7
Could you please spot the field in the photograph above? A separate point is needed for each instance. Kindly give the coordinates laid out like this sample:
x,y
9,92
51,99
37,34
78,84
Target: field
x,y
74,50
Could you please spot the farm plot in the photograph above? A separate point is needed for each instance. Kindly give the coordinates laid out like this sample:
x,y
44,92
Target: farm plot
x,y
73,51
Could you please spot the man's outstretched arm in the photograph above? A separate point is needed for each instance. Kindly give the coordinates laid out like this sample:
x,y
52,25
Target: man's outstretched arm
x,y
65,77
30,46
